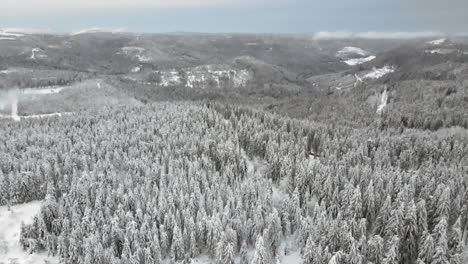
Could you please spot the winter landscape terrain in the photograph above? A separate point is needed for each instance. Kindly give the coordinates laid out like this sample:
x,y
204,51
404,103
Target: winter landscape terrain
x,y
119,147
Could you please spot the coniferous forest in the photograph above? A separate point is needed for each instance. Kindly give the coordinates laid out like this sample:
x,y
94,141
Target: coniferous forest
x,y
170,182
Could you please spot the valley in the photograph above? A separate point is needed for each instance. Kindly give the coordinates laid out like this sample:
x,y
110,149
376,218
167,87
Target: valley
x,y
120,147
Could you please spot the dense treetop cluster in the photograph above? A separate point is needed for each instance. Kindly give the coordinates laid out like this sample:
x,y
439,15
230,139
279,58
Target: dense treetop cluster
x,y
167,182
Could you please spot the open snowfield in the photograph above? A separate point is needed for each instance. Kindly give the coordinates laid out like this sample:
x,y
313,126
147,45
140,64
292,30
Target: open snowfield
x,y
352,50
378,73
353,62
10,225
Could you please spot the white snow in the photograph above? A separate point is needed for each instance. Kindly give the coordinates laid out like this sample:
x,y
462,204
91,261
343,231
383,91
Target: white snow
x,y
129,50
97,30
7,38
437,41
440,51
377,73
201,76
8,71
46,115
293,257
41,91
10,226
33,54
383,102
136,69
14,109
143,58
135,52
8,34
353,62
352,50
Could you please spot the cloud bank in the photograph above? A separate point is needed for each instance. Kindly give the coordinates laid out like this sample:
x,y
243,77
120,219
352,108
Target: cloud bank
x,y
374,35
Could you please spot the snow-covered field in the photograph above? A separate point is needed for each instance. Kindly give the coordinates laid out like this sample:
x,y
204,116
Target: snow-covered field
x,y
353,62
377,73
352,50
41,91
10,225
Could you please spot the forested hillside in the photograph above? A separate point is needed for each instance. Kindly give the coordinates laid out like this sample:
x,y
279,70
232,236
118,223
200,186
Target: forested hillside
x,y
168,182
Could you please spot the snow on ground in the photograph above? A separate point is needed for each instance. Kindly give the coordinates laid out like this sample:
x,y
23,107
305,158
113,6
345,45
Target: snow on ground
x,y
135,52
294,257
8,71
352,50
14,109
441,51
437,41
206,75
97,30
34,54
383,102
136,69
353,62
202,259
9,34
41,91
377,73
10,226
45,115
130,50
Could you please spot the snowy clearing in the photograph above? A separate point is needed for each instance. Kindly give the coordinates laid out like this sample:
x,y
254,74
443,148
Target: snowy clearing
x,y
353,62
352,50
437,41
10,226
377,73
41,91
383,102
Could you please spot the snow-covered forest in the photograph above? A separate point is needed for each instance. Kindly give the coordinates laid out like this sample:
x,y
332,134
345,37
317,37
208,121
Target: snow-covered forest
x,y
186,182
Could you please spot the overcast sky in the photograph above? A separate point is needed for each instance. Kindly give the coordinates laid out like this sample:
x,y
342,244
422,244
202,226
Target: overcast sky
x,y
267,16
